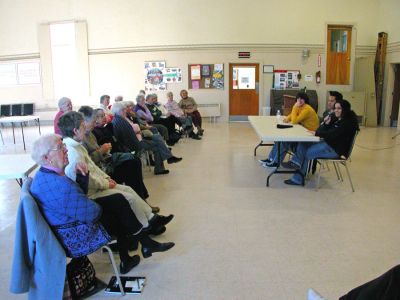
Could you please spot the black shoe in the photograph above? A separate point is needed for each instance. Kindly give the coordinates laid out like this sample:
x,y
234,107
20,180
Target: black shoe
x,y
194,136
291,182
158,220
200,132
129,264
157,231
162,172
156,247
174,159
264,161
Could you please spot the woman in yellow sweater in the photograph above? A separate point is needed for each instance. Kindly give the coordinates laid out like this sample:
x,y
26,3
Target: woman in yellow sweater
x,y
302,113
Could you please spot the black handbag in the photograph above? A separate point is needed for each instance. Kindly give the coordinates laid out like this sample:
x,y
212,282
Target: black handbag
x,y
81,277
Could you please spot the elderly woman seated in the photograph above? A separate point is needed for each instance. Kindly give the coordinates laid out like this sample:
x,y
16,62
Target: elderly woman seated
x,y
100,184
64,105
189,107
124,130
145,116
81,224
173,108
123,167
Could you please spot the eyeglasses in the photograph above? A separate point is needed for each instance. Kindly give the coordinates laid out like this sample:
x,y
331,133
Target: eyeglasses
x,y
58,148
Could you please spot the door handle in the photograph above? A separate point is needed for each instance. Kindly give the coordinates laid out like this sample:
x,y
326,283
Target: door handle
x,y
257,86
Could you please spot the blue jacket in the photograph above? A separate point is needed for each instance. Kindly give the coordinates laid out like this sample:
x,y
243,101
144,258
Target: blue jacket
x,y
39,260
72,216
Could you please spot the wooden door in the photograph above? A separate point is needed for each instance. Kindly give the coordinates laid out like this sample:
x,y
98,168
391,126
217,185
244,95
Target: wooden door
x,y
338,54
244,89
396,96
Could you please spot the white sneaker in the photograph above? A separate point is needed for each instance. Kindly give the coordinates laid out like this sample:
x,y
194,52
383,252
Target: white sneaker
x,y
314,295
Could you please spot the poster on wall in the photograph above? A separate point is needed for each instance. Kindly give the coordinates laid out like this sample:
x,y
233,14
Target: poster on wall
x,y
285,79
153,76
172,75
195,72
28,73
8,74
218,76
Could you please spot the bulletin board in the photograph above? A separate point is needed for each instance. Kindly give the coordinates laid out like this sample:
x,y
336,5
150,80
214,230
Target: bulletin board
x,y
206,76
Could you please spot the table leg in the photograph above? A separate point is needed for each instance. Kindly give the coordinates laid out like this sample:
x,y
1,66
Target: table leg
x,y
280,171
12,125
23,136
38,120
260,145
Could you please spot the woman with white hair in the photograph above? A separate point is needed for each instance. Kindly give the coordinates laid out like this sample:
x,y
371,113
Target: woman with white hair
x,y
64,105
82,225
124,131
100,184
173,108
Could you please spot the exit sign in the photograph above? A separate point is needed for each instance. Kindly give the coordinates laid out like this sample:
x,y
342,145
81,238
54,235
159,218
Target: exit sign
x,y
244,54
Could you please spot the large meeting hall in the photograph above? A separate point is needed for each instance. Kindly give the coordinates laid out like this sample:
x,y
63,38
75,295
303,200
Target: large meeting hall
x,y
252,211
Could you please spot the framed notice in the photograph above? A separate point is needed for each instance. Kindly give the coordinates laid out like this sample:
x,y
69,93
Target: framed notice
x,y
268,69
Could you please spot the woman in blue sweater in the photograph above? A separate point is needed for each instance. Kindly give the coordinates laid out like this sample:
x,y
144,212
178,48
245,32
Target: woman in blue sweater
x,y
83,225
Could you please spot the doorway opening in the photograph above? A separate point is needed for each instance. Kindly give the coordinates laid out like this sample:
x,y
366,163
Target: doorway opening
x,y
396,96
243,91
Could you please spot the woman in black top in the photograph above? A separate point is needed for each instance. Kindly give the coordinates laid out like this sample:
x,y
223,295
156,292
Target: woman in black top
x,y
337,134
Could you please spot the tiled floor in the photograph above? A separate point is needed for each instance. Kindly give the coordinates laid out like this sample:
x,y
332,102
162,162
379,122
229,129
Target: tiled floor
x,y
237,239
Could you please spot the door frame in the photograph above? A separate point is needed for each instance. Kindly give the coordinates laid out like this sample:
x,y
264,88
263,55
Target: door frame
x,y
262,98
352,57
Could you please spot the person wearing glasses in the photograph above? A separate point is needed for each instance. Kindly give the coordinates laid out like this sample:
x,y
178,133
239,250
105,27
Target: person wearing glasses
x,y
82,225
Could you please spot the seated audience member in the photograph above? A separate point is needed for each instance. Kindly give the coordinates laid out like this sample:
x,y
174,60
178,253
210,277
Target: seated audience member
x,y
100,184
337,134
163,117
104,104
64,105
189,107
302,113
122,167
144,114
124,131
118,98
330,106
68,210
173,108
146,130
385,287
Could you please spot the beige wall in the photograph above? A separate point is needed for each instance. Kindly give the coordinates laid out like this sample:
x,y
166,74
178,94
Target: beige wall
x,y
123,34
127,23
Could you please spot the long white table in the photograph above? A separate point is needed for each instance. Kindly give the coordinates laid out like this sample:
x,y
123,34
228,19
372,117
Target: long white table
x,y
266,129
16,166
21,120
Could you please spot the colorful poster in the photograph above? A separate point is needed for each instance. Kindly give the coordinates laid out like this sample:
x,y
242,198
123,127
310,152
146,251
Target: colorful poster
x,y
207,82
205,70
172,75
153,76
218,76
195,84
195,72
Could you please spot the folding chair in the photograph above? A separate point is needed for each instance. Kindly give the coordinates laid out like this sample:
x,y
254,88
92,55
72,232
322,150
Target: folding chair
x,y
336,164
114,266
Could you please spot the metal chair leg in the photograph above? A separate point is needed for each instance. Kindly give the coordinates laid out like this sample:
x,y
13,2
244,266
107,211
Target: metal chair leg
x,y
115,268
1,133
348,175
